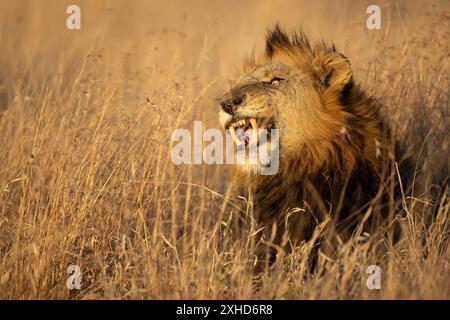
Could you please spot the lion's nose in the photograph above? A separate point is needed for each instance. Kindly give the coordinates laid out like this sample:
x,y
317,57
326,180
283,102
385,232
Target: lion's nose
x,y
229,105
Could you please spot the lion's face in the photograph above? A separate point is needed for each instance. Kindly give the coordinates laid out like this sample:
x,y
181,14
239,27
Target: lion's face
x,y
293,89
271,96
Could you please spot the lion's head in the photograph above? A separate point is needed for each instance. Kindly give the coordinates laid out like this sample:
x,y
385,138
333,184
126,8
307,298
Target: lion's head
x,y
300,89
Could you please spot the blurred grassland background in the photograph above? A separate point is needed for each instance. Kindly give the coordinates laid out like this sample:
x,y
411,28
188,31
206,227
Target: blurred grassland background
x,y
86,178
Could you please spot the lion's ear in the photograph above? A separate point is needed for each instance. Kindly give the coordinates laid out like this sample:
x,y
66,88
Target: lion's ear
x,y
333,70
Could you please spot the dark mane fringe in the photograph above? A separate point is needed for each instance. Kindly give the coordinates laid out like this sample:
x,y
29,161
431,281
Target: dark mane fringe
x,y
277,39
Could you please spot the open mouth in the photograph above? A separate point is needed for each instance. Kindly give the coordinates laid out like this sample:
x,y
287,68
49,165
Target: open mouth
x,y
248,130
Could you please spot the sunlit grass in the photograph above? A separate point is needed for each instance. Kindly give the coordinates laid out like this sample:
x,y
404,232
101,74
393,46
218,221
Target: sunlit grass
x,y
86,178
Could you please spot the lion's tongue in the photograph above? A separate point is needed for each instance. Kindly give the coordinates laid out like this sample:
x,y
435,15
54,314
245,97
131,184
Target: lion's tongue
x,y
250,135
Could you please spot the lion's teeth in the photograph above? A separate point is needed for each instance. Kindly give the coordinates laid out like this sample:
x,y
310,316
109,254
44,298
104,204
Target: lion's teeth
x,y
233,135
254,125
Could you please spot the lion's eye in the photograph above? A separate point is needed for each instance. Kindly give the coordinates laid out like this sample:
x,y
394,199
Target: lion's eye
x,y
275,80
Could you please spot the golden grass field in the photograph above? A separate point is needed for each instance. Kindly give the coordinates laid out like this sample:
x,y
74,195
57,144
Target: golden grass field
x,y
86,178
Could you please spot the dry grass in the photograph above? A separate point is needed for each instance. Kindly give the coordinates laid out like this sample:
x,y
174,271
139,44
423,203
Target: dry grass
x,y
86,178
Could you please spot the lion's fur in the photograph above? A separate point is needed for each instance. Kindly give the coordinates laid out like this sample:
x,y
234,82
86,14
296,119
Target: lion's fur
x,y
335,151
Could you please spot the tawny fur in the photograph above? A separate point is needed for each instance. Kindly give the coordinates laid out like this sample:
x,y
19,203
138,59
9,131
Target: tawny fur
x,y
335,149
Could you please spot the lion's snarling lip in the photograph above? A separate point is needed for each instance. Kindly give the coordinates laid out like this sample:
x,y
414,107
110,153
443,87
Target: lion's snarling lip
x,y
247,130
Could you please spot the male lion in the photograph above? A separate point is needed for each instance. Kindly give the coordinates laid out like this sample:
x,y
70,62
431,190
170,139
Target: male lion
x,y
335,151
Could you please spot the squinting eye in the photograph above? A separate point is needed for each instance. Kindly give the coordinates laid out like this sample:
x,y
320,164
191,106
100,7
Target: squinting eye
x,y
275,80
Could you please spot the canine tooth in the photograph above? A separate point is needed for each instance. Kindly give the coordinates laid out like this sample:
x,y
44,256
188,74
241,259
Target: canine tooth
x,y
254,125
233,135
